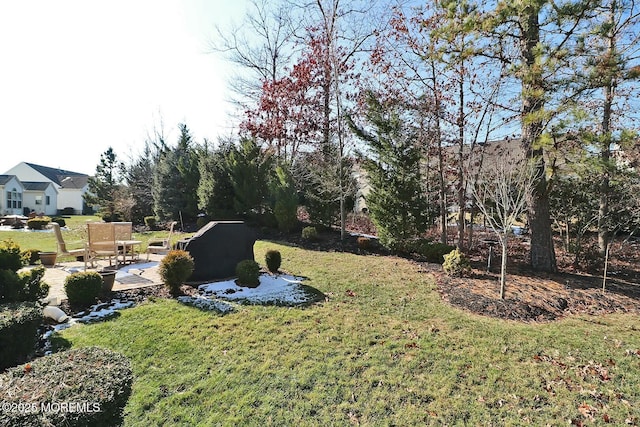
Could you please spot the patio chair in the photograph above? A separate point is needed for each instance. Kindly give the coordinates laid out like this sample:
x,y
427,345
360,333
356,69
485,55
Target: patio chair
x,y
101,242
159,246
62,246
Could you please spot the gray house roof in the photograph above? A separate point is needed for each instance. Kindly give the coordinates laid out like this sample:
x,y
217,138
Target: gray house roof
x,y
61,177
35,186
5,178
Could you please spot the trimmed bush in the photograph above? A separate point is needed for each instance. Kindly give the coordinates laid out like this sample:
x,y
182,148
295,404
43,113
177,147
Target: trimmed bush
x,y
310,233
19,322
83,288
364,243
273,260
38,223
151,222
97,381
30,256
248,272
59,220
456,264
32,288
175,268
10,256
9,286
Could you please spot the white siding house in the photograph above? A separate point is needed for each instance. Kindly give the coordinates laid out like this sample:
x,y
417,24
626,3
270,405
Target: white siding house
x,y
69,186
11,193
40,197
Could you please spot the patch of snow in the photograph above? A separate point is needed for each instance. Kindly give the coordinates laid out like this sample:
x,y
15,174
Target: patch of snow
x,y
102,311
206,304
281,289
368,236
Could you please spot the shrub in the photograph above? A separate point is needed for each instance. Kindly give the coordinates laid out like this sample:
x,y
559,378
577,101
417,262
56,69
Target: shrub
x,y
201,221
30,256
9,286
364,243
310,233
456,264
98,378
273,260
430,251
61,221
83,288
151,222
10,256
110,217
175,268
32,288
38,223
248,272
19,322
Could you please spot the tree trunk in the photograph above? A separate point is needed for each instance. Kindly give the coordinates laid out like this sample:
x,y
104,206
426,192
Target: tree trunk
x,y
503,265
605,151
542,256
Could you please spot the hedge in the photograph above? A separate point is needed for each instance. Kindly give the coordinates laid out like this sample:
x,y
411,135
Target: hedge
x,y
19,322
81,387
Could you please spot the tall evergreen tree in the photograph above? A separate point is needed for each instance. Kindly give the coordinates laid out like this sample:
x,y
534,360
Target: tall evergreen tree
x,y
250,169
396,202
215,190
105,184
176,178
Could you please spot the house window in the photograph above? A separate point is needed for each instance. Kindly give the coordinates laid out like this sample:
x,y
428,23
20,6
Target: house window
x,y
38,200
48,200
14,199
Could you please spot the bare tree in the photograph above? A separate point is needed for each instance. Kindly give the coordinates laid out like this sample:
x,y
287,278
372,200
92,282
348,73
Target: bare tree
x,y
262,46
501,196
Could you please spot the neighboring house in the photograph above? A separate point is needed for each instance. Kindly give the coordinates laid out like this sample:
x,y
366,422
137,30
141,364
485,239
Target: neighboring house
x,y
69,186
40,197
11,191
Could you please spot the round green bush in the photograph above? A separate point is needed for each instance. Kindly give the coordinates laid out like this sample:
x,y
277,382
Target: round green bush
x,y
83,288
248,272
10,256
38,223
31,256
175,268
310,233
456,264
61,221
273,260
151,222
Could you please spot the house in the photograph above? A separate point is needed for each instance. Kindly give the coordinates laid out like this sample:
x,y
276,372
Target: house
x,y
63,188
41,197
11,191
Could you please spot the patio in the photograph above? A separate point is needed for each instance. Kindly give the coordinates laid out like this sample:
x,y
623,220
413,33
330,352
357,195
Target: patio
x,y
131,276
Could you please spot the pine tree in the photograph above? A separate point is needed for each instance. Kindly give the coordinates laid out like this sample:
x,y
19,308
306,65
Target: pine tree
x,y
396,202
104,186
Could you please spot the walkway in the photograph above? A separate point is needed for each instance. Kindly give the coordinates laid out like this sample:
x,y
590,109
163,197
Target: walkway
x,y
132,276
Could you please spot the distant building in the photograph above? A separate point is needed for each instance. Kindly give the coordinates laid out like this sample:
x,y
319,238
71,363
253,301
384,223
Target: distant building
x,y
43,189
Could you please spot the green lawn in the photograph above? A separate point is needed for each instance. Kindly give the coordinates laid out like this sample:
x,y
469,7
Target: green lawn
x,y
382,350
74,235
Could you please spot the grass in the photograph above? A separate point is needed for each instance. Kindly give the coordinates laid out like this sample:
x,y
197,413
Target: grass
x,y
74,235
382,350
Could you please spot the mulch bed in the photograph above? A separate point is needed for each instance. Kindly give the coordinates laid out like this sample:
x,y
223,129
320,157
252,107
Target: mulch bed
x,y
533,296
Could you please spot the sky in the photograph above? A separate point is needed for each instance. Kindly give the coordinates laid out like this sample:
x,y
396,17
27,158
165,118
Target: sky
x,y
78,77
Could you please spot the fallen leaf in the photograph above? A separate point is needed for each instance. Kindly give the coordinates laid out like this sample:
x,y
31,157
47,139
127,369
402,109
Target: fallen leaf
x,y
27,368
